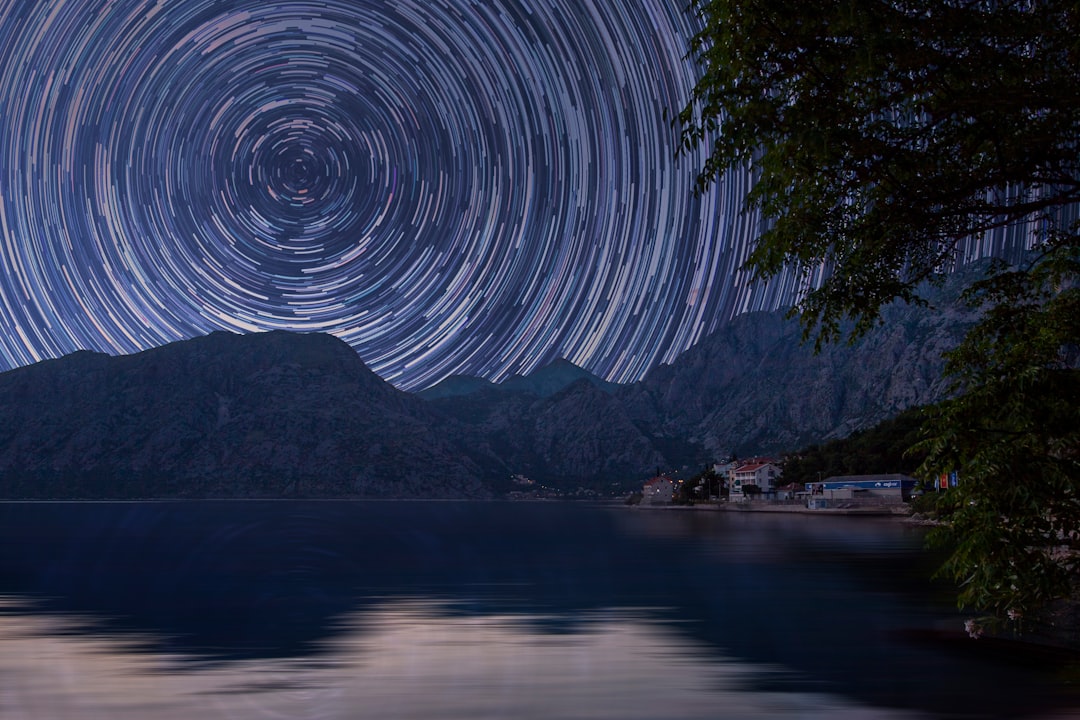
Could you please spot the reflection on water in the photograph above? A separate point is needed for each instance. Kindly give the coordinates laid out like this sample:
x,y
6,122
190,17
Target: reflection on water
x,y
472,610
398,660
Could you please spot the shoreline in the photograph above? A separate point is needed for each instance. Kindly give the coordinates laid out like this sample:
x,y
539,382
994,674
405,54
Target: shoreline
x,y
865,511
902,512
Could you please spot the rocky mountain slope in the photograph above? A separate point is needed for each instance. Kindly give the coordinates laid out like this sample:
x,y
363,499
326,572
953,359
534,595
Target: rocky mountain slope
x,y
580,435
754,387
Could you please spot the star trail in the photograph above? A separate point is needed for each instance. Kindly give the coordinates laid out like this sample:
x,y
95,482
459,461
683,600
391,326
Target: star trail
x,y
450,186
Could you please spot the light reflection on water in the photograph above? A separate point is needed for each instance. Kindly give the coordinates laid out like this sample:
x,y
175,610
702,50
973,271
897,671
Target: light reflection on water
x,y
243,610
406,659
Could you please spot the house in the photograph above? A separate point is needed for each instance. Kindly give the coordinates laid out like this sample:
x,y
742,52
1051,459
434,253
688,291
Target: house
x,y
658,491
790,491
759,473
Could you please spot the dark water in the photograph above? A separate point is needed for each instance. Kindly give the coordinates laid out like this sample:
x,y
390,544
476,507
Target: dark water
x,y
471,610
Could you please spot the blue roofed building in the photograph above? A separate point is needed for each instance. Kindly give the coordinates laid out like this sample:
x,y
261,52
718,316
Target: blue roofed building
x,y
890,488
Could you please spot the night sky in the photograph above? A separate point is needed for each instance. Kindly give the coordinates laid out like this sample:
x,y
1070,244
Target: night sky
x,y
450,186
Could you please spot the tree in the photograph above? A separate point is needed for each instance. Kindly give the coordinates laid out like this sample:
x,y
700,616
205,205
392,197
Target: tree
x,y
881,134
707,480
882,137
1013,430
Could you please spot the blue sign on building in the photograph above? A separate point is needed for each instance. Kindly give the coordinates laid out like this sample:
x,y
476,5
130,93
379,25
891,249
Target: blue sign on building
x,y
867,484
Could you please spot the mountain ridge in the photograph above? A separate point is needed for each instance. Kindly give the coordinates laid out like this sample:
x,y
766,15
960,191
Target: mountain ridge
x,y
299,414
542,382
262,415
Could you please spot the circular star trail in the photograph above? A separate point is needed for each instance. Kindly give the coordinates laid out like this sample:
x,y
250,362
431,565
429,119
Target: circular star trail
x,y
450,186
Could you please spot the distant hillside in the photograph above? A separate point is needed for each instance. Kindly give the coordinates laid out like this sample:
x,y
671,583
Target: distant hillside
x,y
754,387
554,378
580,435
882,449
271,414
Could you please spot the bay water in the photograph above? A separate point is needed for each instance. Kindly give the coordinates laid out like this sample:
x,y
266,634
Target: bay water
x,y
423,609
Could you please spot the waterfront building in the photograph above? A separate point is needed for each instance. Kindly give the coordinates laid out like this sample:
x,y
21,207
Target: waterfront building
x,y
889,488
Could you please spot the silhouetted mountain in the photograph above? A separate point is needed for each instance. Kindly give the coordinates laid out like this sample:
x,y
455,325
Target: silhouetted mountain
x,y
269,414
280,414
455,386
753,387
553,378
544,382
578,436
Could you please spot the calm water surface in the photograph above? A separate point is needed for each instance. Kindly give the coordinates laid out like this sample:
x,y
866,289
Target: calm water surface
x,y
474,610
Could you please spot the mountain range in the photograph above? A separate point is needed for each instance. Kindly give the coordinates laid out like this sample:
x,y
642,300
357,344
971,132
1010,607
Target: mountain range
x,y
282,414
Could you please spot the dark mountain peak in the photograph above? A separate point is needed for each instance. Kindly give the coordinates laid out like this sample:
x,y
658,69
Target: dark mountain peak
x,y
455,386
265,414
561,365
276,347
224,358
78,361
543,382
552,378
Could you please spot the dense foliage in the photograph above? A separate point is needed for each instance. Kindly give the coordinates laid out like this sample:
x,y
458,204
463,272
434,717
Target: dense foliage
x,y
882,449
884,135
1014,431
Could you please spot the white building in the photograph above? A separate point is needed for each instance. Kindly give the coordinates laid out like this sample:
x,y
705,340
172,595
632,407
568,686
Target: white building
x,y
762,475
